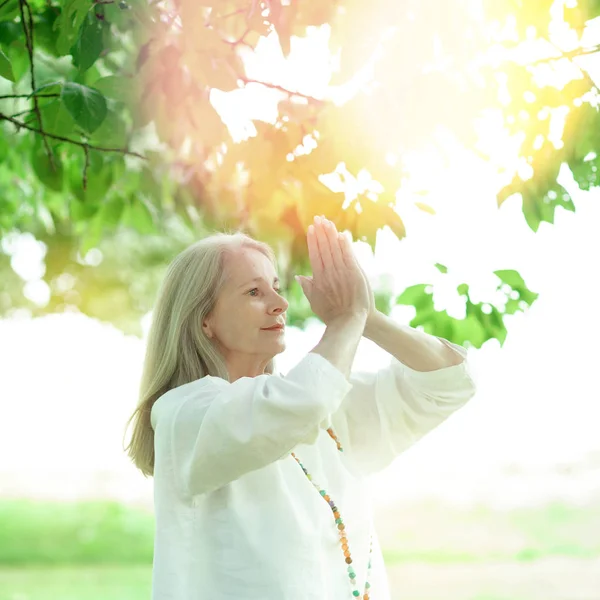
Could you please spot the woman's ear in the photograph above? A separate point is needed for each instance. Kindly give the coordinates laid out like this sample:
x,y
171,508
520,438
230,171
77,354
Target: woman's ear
x,y
207,329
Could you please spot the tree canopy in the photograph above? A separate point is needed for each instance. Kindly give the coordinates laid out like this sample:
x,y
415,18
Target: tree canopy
x,y
114,140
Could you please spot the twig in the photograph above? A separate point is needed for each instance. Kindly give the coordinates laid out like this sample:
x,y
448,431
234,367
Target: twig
x,y
28,31
4,117
569,55
240,40
282,89
3,4
29,119
29,96
252,9
23,112
239,11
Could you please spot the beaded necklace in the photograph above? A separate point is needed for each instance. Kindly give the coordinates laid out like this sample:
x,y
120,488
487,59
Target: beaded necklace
x,y
341,527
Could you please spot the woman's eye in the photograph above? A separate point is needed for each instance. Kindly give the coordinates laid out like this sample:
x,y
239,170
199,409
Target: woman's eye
x,y
253,289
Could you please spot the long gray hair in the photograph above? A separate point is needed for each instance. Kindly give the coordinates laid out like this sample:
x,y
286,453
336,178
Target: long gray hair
x,y
177,350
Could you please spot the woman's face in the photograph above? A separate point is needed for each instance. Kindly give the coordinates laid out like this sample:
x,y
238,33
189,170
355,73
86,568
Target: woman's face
x,y
248,302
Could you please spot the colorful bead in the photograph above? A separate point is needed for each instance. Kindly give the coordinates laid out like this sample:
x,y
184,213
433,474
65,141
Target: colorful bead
x,y
341,527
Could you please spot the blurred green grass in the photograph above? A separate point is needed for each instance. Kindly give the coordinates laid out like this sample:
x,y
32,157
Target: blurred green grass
x,y
97,582
62,533
97,549
432,532
104,532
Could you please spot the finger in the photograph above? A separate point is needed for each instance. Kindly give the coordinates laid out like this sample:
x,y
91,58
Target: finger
x,y
364,275
323,244
362,271
347,253
334,243
313,252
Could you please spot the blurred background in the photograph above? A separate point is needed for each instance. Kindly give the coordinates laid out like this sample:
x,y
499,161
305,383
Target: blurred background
x,y
458,143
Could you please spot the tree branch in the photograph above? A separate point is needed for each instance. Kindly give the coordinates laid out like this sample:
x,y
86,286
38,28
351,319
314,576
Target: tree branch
x,y
29,96
19,124
274,86
253,8
23,112
239,11
239,41
28,31
569,55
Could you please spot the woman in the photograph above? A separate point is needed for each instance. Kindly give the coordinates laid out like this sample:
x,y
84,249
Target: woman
x,y
261,480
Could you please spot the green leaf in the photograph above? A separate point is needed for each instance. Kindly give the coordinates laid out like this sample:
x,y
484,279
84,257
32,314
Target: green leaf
x,y
52,87
115,87
50,173
9,10
151,186
9,32
112,211
138,216
424,317
19,59
72,16
112,133
468,329
99,179
585,172
92,235
86,105
89,44
45,36
6,68
415,295
511,277
516,282
81,211
55,117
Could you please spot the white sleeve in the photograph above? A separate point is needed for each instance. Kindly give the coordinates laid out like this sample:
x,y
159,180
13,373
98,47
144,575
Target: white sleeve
x,y
222,430
390,410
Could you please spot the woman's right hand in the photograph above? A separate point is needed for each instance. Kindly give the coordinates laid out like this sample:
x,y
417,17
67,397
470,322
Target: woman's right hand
x,y
337,287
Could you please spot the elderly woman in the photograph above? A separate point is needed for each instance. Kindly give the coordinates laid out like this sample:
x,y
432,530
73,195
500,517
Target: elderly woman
x,y
261,481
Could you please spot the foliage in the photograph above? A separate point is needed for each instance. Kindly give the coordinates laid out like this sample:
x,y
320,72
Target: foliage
x,y
109,107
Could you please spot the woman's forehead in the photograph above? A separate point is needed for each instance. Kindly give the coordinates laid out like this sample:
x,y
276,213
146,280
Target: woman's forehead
x,y
247,265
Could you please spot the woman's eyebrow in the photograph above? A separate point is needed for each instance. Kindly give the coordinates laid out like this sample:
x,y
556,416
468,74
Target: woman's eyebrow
x,y
275,280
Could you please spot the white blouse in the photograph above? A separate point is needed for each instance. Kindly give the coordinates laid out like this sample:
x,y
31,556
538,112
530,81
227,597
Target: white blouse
x,y
236,518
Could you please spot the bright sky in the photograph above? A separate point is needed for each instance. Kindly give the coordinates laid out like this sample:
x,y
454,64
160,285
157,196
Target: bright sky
x,y
68,383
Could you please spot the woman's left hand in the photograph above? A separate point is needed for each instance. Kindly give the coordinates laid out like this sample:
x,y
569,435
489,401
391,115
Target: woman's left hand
x,y
372,308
